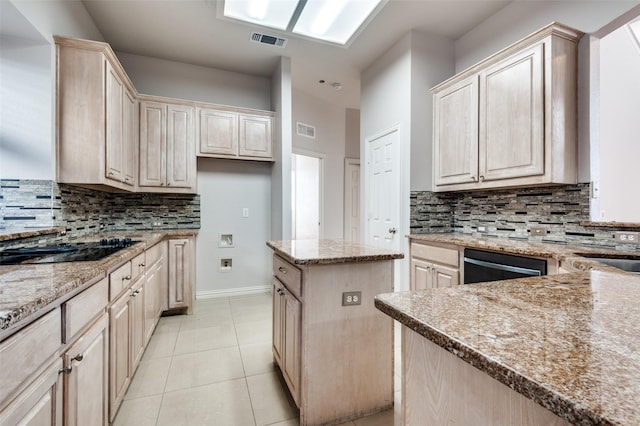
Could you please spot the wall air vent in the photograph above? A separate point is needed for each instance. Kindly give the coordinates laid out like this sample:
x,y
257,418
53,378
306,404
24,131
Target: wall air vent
x,y
268,39
306,130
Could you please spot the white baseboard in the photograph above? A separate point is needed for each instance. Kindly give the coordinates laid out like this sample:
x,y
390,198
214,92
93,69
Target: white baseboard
x,y
230,292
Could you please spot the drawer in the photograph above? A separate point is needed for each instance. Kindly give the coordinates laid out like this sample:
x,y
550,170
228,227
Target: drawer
x,y
288,275
442,255
138,266
83,308
27,351
119,280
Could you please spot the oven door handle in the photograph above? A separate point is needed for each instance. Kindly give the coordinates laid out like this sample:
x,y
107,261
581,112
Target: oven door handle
x,y
516,269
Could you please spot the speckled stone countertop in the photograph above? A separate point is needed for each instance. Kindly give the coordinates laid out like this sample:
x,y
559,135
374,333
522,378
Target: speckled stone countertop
x,y
9,234
307,252
570,256
30,290
570,342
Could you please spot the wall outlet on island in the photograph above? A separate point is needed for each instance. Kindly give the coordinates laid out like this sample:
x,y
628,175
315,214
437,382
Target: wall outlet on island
x,y
538,231
350,298
482,229
156,223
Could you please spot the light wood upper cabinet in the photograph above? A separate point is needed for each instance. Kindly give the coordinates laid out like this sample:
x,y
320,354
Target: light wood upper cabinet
x,y
167,160
96,110
456,133
510,120
236,134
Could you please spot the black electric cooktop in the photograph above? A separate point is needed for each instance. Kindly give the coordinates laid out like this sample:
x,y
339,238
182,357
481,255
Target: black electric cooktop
x,y
71,252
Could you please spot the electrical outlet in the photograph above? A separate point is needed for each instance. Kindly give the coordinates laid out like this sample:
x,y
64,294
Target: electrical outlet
x,y
627,237
156,223
482,229
538,231
350,298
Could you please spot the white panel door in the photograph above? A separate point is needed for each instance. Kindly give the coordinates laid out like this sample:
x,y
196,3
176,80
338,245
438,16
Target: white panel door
x,y
383,197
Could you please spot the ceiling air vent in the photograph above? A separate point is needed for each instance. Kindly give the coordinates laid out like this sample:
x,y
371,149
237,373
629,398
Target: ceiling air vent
x,y
268,39
306,130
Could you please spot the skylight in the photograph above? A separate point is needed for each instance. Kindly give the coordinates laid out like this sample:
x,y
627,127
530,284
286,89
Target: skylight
x,y
334,21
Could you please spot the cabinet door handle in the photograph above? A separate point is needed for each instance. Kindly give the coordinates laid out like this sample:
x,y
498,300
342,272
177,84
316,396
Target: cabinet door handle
x,y
280,292
473,177
283,270
66,370
140,265
78,358
126,278
392,230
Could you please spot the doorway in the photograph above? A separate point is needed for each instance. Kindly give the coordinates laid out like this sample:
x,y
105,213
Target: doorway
x,y
306,198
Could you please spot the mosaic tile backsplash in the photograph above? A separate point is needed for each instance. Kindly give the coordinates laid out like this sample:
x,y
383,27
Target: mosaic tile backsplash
x,y
510,213
33,204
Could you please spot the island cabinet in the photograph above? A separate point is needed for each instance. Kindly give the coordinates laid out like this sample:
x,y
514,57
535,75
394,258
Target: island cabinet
x,y
167,160
434,265
335,352
96,115
440,388
235,133
510,120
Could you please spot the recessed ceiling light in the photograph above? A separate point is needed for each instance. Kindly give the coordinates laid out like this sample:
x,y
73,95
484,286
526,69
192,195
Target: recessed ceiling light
x,y
334,21
270,13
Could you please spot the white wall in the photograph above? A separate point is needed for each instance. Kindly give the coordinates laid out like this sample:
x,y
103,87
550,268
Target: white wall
x,y
197,83
26,121
352,133
521,18
27,83
226,188
619,129
329,121
281,171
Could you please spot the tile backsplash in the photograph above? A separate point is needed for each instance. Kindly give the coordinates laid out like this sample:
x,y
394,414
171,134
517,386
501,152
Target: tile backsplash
x,y
511,213
33,204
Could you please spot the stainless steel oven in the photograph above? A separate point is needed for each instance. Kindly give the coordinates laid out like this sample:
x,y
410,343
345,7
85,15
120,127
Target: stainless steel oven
x,y
482,266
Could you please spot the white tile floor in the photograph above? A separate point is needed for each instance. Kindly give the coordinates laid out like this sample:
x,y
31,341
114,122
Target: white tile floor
x,y
215,367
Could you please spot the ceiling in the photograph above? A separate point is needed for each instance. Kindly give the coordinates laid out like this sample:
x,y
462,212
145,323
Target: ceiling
x,y
190,31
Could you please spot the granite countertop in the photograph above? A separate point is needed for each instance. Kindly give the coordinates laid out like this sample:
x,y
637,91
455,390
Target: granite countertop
x,y
30,290
569,255
569,342
308,252
12,234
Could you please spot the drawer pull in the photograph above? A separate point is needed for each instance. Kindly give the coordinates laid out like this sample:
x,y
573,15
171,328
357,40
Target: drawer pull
x,y
69,368
280,292
135,293
126,277
283,270
141,265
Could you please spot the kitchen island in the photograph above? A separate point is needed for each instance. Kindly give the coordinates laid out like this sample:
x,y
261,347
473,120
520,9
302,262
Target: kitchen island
x,y
556,349
334,349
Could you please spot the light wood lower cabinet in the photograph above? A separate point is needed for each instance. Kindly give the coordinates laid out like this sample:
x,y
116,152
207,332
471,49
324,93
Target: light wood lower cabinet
x,y
181,273
434,266
337,361
439,388
155,286
120,322
287,312
41,403
86,377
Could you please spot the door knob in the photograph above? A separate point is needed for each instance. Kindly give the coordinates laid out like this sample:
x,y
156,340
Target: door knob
x,y
392,230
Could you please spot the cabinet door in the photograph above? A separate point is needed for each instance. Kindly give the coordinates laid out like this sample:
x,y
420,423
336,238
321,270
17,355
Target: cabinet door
x,y
278,320
180,273
444,276
218,132
512,117
456,133
114,125
420,274
181,158
40,404
120,315
153,144
255,136
137,338
153,296
129,138
85,384
291,368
